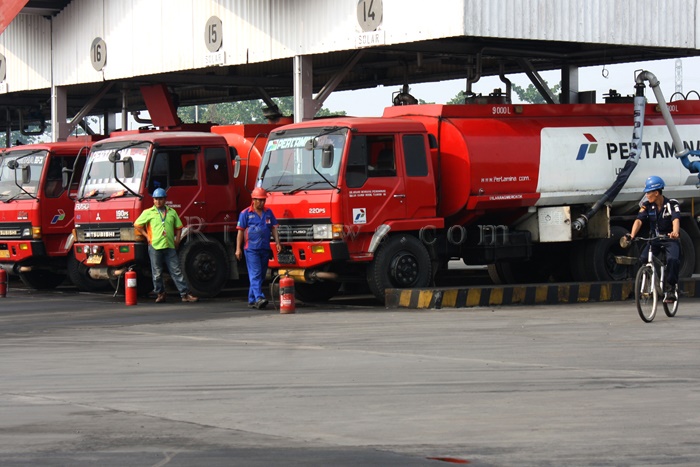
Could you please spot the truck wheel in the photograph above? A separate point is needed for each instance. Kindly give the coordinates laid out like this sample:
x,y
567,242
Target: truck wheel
x,y
599,262
78,275
317,292
205,267
687,255
42,279
401,262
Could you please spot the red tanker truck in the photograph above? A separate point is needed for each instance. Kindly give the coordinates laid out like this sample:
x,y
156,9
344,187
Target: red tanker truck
x,y
390,200
36,212
201,172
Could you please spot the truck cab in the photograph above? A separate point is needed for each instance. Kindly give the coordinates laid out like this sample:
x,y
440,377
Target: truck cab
x,y
36,211
345,190
200,173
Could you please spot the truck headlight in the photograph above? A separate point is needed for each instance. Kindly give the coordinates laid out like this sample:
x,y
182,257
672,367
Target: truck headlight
x,y
323,232
328,231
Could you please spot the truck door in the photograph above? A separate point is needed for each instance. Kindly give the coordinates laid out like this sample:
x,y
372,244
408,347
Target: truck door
x,y
172,170
56,208
376,192
220,196
421,196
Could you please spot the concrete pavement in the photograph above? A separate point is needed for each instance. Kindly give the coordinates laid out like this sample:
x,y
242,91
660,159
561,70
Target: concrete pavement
x,y
86,380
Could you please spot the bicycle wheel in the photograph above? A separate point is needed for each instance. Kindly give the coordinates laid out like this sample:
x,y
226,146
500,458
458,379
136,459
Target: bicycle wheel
x,y
671,308
646,295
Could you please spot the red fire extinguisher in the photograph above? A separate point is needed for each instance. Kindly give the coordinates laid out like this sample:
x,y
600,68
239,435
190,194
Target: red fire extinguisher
x,y
287,295
3,283
130,287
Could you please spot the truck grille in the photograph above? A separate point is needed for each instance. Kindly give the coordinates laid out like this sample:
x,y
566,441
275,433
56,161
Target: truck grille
x,y
298,229
99,233
12,231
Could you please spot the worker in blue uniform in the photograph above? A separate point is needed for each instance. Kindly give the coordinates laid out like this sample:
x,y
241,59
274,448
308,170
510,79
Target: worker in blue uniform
x,y
664,217
255,226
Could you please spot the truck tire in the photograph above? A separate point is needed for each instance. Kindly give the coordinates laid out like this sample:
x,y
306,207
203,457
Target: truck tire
x,y
204,264
599,262
318,292
687,255
401,262
78,275
42,279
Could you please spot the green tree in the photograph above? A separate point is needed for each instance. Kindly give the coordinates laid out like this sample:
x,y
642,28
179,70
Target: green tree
x,y
242,112
528,95
532,95
458,99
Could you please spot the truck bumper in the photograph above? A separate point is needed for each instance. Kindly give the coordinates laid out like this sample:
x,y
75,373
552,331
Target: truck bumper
x,y
13,253
306,255
111,255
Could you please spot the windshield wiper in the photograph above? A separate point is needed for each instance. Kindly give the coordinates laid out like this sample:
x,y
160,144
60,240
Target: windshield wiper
x,y
278,185
23,192
116,194
89,195
304,187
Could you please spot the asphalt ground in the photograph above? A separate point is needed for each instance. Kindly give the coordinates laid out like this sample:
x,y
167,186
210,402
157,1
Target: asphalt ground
x,y
86,380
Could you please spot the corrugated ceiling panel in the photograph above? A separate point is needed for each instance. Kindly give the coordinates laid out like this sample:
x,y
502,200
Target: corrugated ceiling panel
x,y
161,37
120,36
74,30
659,23
319,26
157,36
245,29
27,49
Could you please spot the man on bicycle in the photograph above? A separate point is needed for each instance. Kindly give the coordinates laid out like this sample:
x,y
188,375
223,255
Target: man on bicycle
x,y
664,216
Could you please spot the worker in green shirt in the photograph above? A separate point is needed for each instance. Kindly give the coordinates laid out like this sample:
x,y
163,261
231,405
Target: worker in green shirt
x,y
162,227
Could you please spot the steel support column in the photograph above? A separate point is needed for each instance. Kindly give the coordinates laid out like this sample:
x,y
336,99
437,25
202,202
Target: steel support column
x,y
59,112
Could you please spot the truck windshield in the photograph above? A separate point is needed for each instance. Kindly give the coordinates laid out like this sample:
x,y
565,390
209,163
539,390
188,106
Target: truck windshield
x,y
288,163
8,187
99,175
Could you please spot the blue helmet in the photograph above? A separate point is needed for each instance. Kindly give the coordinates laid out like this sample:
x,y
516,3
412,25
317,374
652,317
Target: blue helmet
x,y
160,193
654,183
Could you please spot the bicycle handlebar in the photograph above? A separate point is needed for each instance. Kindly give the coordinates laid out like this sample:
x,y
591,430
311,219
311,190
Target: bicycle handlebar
x,y
626,241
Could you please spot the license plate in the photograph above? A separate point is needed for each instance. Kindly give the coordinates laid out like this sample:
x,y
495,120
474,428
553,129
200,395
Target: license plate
x,y
286,258
4,253
94,259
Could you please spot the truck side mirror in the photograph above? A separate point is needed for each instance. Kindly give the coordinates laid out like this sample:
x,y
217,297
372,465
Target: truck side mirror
x,y
432,141
114,157
26,174
128,167
65,177
327,156
236,166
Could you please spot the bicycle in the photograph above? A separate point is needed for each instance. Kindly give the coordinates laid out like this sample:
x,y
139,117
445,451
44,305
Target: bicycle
x,y
649,282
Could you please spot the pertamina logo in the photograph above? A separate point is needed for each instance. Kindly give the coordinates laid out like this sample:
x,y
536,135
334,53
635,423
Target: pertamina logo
x,y
587,148
58,217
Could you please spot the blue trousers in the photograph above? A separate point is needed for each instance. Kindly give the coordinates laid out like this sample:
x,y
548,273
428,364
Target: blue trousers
x,y
166,257
256,261
673,258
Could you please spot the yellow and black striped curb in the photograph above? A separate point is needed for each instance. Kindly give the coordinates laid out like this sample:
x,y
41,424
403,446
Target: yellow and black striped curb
x,y
466,297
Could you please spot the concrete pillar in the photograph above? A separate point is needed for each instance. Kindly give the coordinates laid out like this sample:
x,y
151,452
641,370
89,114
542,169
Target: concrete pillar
x,y
59,114
305,107
569,85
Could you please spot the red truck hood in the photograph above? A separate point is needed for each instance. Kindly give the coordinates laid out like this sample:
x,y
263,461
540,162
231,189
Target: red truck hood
x,y
308,205
114,210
